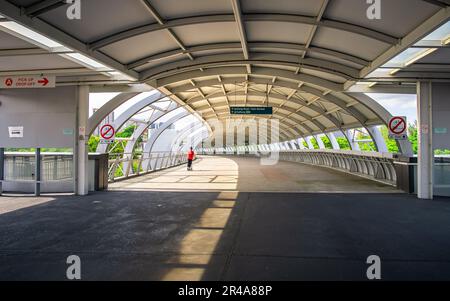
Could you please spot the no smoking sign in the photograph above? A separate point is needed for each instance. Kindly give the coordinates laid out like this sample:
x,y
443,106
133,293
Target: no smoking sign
x,y
107,133
398,128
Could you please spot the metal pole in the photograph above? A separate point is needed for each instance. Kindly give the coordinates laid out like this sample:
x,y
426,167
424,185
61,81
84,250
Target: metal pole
x,y
37,186
2,168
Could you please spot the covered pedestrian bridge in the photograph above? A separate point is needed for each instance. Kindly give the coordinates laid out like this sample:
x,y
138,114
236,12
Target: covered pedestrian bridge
x,y
109,95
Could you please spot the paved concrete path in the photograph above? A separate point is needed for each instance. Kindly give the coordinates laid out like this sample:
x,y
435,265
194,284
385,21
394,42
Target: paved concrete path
x,y
248,175
227,235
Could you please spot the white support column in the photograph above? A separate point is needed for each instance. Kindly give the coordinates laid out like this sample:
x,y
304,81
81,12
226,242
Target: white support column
x,y
319,141
300,143
425,142
378,138
293,145
81,145
308,141
353,145
333,140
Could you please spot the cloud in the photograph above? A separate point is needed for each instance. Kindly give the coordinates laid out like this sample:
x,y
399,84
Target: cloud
x,y
398,104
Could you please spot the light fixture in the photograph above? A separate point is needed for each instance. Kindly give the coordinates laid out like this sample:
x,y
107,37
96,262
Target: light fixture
x,y
31,36
84,60
420,56
394,71
446,40
19,31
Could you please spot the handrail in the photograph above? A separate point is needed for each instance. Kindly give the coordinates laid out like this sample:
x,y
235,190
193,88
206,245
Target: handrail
x,y
372,165
125,165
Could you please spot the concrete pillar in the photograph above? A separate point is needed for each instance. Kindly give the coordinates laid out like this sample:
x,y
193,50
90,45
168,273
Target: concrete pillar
x,y
81,145
425,142
2,168
378,139
37,173
353,144
334,142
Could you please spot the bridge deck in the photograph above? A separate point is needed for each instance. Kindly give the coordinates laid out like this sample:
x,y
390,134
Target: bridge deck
x,y
139,234
248,175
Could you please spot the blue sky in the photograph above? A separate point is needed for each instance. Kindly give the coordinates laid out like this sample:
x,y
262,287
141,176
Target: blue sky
x,y
399,104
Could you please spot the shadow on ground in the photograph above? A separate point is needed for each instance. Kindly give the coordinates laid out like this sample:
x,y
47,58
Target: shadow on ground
x,y
131,235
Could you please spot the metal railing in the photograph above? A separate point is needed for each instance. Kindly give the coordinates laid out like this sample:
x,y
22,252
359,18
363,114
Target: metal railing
x,y
372,165
21,167
125,165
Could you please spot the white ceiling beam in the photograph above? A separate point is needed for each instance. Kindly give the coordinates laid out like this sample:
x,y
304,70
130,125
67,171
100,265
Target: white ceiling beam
x,y
323,7
342,26
265,71
404,43
161,21
274,46
55,71
15,13
220,60
282,98
41,7
30,51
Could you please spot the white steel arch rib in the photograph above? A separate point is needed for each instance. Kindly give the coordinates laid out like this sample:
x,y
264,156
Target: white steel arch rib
x,y
151,142
185,132
139,131
106,109
130,112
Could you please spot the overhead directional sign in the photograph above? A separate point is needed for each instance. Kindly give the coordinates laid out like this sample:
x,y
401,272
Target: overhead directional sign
x,y
27,82
398,128
251,110
107,133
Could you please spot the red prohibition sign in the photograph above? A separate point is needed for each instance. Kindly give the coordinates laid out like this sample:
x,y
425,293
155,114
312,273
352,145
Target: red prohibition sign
x,y
399,127
107,131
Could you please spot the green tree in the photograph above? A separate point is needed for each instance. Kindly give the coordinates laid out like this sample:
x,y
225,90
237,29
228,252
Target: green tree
x,y
390,143
412,131
305,144
343,143
314,143
93,143
327,142
127,132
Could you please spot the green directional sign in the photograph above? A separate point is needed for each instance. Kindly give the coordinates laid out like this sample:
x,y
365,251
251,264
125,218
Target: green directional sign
x,y
251,111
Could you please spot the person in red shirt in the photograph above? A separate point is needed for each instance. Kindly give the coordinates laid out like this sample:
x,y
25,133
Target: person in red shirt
x,y
190,157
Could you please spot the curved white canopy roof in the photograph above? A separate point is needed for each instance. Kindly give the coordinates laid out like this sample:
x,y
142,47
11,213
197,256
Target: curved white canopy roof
x,y
298,56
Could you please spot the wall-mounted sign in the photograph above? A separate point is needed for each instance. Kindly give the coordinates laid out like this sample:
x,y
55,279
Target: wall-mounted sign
x,y
398,128
107,134
68,132
15,131
27,82
440,131
251,110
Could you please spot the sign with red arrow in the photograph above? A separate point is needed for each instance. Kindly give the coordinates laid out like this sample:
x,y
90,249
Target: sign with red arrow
x,y
27,82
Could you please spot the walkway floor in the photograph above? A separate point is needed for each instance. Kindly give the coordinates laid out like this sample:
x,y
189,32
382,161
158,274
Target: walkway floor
x,y
248,175
227,235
